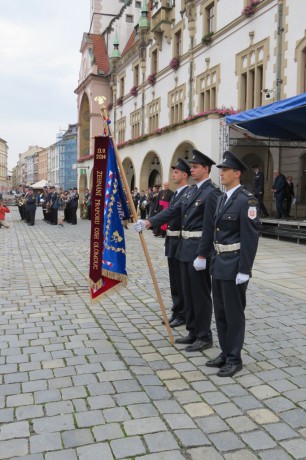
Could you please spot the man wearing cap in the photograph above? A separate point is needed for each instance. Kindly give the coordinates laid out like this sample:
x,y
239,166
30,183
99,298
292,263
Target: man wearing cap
x,y
235,244
180,175
197,209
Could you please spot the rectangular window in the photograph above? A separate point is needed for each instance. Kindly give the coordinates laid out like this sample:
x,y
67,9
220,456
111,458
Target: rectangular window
x,y
207,84
154,65
138,4
121,129
136,75
153,115
209,17
251,78
178,43
129,18
135,123
121,87
176,104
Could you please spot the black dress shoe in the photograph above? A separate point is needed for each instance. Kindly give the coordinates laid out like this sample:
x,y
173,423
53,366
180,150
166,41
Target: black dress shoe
x,y
199,345
186,340
177,322
170,319
217,362
228,370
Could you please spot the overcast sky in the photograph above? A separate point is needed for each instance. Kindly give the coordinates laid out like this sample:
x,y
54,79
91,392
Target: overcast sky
x,y
39,67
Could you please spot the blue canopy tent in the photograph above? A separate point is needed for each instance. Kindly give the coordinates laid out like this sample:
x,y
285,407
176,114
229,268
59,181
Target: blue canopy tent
x,y
285,119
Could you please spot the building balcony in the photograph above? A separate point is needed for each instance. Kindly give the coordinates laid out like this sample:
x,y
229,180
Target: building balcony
x,y
161,20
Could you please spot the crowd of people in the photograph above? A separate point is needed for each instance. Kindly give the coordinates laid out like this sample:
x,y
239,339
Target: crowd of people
x,y
58,205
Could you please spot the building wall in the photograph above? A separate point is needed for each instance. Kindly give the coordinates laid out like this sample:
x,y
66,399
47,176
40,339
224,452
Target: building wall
x,y
3,164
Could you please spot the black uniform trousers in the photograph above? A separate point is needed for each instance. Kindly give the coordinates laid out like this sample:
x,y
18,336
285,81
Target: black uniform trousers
x,y
197,295
73,216
31,215
53,216
279,200
262,208
229,305
176,288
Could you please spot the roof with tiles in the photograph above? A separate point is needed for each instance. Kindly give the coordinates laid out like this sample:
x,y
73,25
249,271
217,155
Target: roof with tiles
x,y
100,52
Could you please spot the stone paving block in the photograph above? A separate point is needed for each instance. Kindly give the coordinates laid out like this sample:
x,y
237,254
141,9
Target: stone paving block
x,y
144,425
142,410
14,430
226,441
76,438
262,416
157,392
212,424
29,412
53,424
295,447
124,399
107,432
263,392
100,402
89,418
36,385
198,409
57,408
79,405
192,438
127,447
241,424
24,399
201,453
60,382
99,451
96,389
168,407
46,396
281,431
13,447
243,454
30,457
74,392
65,454
163,441
187,396
274,454
45,442
6,415
258,440
215,397
179,421
279,404
227,410
296,418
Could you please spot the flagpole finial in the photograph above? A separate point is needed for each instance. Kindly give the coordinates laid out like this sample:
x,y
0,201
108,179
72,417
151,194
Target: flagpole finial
x,y
101,101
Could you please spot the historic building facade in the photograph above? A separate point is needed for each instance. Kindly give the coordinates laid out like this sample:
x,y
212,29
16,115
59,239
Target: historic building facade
x,y
171,70
3,165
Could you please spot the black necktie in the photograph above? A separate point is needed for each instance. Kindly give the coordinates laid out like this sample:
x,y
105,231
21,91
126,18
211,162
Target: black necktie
x,y
223,201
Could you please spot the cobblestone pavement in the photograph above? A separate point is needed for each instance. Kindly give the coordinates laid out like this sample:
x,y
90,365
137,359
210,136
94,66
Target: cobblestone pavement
x,y
102,381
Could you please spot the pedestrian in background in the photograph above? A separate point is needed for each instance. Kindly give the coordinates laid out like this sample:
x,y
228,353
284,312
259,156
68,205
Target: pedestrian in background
x,y
279,190
259,189
3,210
289,195
31,207
236,237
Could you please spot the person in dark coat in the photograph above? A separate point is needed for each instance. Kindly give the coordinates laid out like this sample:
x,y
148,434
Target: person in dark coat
x,y
197,209
235,244
279,189
74,206
143,205
259,189
289,195
180,175
31,207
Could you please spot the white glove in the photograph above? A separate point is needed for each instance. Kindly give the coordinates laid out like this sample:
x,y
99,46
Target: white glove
x,y
139,226
242,278
199,264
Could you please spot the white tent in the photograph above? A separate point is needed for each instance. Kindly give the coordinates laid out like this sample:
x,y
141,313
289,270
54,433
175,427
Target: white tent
x,y
41,184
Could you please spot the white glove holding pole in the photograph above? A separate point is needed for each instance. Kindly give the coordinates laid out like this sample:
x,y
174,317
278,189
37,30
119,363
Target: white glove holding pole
x,y
199,264
242,278
139,226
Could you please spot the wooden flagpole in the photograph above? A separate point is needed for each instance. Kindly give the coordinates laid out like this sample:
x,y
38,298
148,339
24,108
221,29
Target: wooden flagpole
x,y
101,101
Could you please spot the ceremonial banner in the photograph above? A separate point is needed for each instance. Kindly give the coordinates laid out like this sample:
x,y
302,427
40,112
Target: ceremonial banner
x,y
107,250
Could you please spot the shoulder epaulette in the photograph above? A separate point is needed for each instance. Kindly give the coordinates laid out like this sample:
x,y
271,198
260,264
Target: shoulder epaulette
x,y
247,192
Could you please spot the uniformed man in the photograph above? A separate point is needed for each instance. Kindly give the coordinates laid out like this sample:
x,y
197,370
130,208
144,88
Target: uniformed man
x,y
180,175
197,208
235,245
31,207
259,189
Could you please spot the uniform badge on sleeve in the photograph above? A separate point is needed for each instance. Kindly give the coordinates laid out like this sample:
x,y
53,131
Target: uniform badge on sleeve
x,y
252,212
